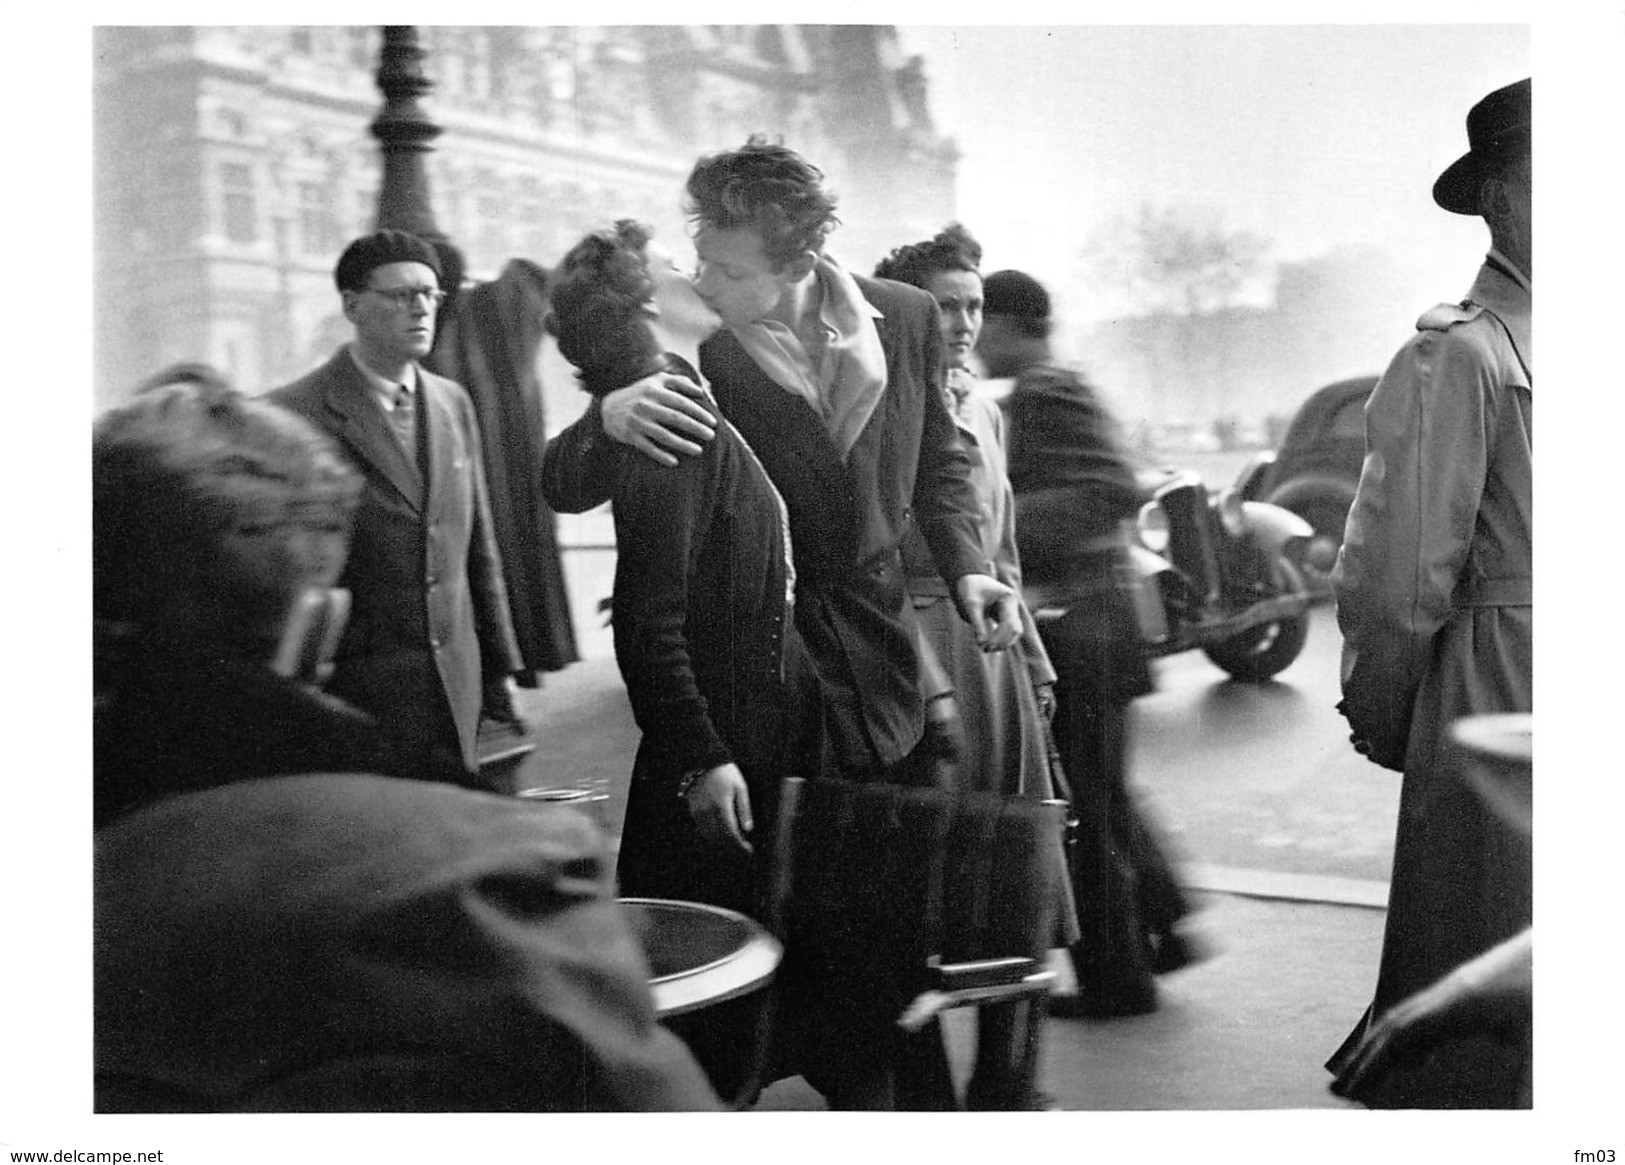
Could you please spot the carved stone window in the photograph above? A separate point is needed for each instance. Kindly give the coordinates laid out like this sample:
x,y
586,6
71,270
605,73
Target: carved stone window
x,y
232,124
239,208
315,220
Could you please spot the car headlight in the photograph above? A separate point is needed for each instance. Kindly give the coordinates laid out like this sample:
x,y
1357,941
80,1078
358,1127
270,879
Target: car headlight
x,y
1153,527
1232,513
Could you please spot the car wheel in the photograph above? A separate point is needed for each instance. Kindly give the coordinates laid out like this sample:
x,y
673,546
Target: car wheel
x,y
1263,652
1327,518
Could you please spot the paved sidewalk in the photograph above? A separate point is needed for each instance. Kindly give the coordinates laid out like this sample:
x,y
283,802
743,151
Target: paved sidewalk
x,y
1248,1028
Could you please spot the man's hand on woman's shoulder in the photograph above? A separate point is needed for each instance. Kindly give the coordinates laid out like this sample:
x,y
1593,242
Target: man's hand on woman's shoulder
x,y
660,416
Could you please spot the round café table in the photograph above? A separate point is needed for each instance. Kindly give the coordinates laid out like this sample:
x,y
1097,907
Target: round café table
x,y
701,955
709,970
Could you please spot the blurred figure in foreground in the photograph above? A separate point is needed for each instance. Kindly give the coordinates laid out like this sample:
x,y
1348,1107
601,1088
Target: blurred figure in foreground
x,y
1433,589
1075,488
1490,997
1005,697
277,927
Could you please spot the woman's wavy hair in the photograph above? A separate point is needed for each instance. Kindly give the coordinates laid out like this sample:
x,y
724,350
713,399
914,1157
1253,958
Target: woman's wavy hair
x,y
767,188
951,249
599,310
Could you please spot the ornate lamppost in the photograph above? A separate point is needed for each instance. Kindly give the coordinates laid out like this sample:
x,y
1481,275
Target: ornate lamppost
x,y
405,135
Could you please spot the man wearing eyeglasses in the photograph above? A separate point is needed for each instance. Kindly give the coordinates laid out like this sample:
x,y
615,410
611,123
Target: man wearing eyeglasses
x,y
429,628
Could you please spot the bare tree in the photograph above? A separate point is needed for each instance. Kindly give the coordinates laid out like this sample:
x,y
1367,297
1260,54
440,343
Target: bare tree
x,y
1175,259
1179,271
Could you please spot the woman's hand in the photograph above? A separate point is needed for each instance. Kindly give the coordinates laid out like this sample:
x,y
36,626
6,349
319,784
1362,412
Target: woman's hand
x,y
719,803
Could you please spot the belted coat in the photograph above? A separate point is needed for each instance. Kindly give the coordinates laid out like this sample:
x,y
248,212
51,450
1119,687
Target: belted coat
x,y
1433,589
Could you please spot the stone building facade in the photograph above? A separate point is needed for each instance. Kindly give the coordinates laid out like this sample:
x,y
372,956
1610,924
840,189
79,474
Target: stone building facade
x,y
232,163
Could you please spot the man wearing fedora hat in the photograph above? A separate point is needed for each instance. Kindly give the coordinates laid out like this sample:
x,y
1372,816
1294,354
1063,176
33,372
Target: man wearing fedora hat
x,y
429,637
1433,590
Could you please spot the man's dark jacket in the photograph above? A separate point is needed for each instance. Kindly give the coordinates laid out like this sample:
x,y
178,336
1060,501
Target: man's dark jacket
x,y
847,518
1074,484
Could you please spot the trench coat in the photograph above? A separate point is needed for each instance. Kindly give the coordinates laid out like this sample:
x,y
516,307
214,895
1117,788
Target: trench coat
x,y
994,690
429,619
1007,750
488,343
1433,589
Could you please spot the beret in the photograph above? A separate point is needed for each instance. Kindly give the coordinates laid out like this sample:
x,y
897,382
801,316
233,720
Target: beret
x,y
1014,293
362,257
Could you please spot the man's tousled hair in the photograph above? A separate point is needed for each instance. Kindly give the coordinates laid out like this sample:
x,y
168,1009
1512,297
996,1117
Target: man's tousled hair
x,y
767,188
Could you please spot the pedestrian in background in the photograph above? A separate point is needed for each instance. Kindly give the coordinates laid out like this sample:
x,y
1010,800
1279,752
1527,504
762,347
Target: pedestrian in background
x,y
1005,697
429,641
1075,488
1433,589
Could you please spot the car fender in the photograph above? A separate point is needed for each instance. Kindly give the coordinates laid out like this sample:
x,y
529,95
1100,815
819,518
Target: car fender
x,y
1250,481
1275,526
1146,563
1301,491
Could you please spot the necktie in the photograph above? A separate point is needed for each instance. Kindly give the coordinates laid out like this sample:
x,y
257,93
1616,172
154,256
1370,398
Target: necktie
x,y
403,416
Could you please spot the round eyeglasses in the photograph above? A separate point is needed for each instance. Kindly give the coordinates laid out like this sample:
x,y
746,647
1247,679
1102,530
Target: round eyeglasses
x,y
405,296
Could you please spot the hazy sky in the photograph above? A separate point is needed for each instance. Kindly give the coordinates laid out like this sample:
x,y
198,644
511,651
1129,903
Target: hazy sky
x,y
1310,136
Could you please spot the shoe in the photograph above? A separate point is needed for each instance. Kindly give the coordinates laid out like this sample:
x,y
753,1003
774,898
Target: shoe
x,y
1103,1003
1172,951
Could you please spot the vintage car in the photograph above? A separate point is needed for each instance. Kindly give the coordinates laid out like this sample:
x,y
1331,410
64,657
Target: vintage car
x,y
1315,470
1213,571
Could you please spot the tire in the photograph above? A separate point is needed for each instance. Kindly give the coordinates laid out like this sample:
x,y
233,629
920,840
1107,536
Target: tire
x,y
1327,518
1326,508
1263,652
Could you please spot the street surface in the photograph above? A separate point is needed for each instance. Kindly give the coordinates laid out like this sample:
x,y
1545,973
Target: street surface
x,y
1261,777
